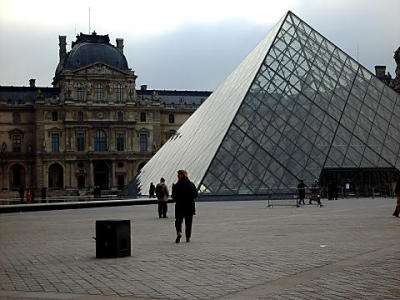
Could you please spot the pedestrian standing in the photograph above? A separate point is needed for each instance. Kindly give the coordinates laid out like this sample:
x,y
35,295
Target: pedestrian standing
x,y
184,193
397,192
28,196
21,193
43,192
162,195
152,189
301,190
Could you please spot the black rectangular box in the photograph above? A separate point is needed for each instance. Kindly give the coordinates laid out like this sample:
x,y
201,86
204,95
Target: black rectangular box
x,y
113,238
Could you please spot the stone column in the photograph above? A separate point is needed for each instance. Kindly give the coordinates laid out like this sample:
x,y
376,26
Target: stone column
x,y
69,174
3,176
91,174
113,175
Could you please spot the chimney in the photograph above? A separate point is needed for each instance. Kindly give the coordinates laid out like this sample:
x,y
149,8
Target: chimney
x,y
32,83
120,44
143,87
63,47
380,71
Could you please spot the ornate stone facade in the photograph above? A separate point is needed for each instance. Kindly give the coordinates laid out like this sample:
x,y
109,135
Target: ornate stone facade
x,y
93,128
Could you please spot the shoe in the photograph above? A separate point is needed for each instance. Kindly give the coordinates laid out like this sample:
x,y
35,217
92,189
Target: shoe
x,y
396,215
188,240
178,238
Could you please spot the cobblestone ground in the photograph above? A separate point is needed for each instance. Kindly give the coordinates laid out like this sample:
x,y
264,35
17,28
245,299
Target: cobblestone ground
x,y
347,249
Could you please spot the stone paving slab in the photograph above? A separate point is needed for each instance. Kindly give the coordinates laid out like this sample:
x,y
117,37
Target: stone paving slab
x,y
241,250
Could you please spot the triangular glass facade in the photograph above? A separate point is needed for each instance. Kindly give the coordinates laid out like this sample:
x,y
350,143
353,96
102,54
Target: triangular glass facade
x,y
297,104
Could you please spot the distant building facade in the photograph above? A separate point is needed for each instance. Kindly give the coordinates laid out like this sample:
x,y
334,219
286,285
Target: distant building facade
x,y
380,72
92,128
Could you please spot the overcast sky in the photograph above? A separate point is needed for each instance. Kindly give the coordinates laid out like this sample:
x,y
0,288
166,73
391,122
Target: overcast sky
x,y
184,44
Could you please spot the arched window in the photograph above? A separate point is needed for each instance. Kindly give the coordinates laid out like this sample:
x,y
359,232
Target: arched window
x,y
171,133
100,141
141,165
99,90
56,176
79,92
119,93
120,115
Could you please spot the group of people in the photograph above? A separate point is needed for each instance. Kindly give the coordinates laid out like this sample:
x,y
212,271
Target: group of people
x,y
184,193
30,194
301,190
314,196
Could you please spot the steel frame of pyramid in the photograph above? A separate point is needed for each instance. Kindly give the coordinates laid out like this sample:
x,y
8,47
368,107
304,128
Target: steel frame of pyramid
x,y
296,105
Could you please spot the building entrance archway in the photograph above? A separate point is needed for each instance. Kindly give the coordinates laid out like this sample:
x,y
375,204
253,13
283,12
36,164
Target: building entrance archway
x,y
81,182
101,173
56,176
360,182
17,176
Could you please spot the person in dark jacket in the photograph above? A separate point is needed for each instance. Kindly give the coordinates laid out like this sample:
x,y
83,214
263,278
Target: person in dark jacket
x,y
301,190
152,189
162,195
397,192
21,193
184,193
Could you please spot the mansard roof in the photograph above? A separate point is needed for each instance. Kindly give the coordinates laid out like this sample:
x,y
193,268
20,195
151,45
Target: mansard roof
x,y
21,94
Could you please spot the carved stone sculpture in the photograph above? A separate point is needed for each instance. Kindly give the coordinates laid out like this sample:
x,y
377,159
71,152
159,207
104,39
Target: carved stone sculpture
x,y
396,81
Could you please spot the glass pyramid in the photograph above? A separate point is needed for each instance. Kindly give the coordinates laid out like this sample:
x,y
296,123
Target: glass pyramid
x,y
295,105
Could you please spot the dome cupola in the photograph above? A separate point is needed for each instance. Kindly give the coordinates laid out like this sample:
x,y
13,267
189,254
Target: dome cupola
x,y
92,48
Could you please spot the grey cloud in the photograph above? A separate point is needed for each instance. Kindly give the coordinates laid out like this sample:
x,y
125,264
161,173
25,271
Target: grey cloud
x,y
197,56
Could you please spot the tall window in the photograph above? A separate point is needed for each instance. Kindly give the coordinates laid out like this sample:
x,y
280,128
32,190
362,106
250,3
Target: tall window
x,y
100,141
143,142
80,115
120,93
120,115
79,92
171,118
80,141
120,142
142,117
16,143
99,90
16,117
54,142
54,116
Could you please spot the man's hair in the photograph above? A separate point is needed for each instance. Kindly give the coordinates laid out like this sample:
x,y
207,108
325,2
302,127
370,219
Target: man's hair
x,y
183,172
162,179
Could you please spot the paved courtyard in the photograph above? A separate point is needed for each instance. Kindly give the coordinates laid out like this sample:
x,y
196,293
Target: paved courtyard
x,y
350,249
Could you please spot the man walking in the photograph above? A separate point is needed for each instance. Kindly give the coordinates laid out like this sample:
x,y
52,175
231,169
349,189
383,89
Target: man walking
x,y
162,195
184,193
301,190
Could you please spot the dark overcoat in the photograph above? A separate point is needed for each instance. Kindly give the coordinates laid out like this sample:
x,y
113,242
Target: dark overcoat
x,y
184,193
301,189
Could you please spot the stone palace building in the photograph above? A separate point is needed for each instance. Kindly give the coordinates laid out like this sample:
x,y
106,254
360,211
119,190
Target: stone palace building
x,y
92,128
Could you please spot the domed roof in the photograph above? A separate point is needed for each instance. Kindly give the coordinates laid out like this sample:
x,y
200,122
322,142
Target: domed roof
x,y
91,48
